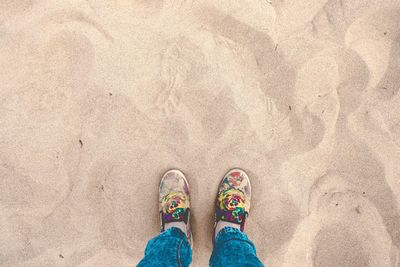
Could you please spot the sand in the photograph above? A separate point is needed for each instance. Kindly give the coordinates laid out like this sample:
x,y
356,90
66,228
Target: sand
x,y
99,98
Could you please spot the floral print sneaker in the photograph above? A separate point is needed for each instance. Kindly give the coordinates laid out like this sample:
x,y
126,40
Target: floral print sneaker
x,y
174,200
233,199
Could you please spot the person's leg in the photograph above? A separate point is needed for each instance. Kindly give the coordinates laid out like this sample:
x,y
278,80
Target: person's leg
x,y
232,247
170,248
173,246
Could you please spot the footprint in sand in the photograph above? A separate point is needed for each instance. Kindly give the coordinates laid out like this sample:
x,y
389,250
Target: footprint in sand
x,y
316,99
376,121
237,68
41,111
40,134
367,124
175,67
343,229
376,38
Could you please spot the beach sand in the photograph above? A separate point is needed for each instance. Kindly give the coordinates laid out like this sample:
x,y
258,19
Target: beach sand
x,y
99,98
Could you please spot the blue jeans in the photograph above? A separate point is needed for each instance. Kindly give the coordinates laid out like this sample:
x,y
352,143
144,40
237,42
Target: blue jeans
x,y
171,248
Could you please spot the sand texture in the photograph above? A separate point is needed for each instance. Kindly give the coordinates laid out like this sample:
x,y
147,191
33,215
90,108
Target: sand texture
x,y
100,97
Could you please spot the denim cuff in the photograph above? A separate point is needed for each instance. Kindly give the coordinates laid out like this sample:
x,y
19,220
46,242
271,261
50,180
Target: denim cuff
x,y
227,234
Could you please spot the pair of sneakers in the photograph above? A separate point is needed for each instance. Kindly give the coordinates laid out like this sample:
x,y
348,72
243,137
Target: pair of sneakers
x,y
231,207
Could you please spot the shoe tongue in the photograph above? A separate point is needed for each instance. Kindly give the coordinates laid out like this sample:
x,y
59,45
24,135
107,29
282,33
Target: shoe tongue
x,y
233,199
174,207
232,206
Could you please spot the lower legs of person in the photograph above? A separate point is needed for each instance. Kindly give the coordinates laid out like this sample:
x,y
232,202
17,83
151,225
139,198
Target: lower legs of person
x,y
173,247
232,247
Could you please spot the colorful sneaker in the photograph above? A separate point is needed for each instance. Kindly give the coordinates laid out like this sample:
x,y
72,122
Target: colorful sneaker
x,y
233,199
174,200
